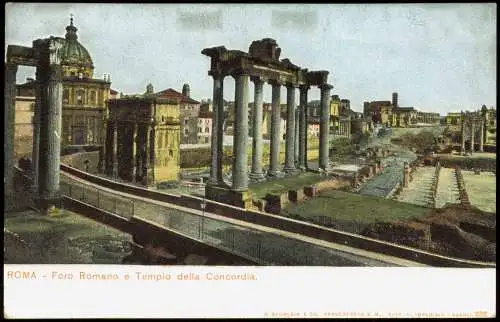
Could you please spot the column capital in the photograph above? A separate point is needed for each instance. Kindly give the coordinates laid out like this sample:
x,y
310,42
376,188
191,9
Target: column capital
x,y
304,87
275,82
258,79
216,74
11,67
55,73
240,72
325,86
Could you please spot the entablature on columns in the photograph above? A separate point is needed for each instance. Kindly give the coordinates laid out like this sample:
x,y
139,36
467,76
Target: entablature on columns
x,y
262,60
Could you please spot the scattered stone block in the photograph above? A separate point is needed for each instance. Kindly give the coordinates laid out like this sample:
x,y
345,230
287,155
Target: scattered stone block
x,y
296,195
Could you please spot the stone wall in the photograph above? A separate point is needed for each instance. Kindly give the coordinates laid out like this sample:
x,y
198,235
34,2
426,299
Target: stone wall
x,y
275,203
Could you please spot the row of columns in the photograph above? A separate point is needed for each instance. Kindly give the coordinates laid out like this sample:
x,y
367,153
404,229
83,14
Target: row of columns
x,y
142,154
295,136
345,128
472,127
46,134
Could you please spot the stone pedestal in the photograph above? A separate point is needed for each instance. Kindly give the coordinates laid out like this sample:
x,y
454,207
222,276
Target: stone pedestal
x,y
228,196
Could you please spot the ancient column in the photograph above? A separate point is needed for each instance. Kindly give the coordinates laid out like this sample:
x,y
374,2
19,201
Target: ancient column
x,y
115,149
462,149
9,131
240,136
481,135
152,154
303,128
36,131
290,129
257,143
220,132
216,128
323,127
275,129
296,139
472,129
50,141
135,164
146,164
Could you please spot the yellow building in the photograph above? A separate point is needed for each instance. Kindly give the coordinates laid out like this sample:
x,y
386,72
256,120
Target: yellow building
x,y
154,155
404,117
381,110
454,118
84,98
25,106
334,113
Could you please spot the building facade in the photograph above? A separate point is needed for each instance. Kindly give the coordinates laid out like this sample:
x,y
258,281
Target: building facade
x,y
84,97
143,139
205,126
189,111
25,107
83,105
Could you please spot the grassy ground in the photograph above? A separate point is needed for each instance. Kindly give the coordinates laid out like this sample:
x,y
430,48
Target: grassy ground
x,y
260,190
481,190
61,238
345,206
397,132
476,155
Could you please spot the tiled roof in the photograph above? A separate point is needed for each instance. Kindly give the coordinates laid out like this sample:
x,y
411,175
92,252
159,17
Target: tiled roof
x,y
205,114
171,93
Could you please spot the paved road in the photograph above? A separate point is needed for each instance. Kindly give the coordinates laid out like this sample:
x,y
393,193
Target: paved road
x,y
272,246
385,181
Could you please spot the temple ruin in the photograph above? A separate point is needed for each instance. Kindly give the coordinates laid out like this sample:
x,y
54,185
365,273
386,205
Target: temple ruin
x,y
262,65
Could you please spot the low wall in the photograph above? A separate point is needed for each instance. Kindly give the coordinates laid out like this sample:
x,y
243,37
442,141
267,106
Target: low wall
x,y
286,224
147,233
77,160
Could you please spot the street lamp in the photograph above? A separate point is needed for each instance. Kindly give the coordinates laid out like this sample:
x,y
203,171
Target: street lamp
x,y
203,205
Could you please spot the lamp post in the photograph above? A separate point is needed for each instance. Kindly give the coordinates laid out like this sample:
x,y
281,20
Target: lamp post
x,y
203,205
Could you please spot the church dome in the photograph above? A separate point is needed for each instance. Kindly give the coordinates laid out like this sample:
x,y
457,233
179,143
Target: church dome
x,y
75,58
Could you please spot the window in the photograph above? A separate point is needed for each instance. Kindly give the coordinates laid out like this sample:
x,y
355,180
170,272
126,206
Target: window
x,y
66,96
185,121
199,129
206,139
207,129
93,98
170,153
186,131
79,96
163,118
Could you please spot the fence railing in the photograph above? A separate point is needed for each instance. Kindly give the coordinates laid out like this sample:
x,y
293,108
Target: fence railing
x,y
266,248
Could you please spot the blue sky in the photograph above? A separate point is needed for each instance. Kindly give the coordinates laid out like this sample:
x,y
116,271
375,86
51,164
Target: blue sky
x,y
438,57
